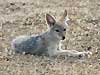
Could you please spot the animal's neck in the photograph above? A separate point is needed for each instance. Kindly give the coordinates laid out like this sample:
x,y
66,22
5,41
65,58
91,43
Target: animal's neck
x,y
50,38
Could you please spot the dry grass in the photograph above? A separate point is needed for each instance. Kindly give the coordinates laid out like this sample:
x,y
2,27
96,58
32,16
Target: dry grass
x,y
19,17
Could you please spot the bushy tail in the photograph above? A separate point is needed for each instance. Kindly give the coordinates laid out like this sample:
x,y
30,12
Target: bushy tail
x,y
13,45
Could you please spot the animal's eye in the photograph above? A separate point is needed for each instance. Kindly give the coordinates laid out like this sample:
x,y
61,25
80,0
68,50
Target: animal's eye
x,y
64,29
57,30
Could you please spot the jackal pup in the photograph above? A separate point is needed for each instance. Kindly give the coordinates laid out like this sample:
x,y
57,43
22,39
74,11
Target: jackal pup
x,y
49,42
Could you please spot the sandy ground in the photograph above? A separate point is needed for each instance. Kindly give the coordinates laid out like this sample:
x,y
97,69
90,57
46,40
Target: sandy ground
x,y
27,17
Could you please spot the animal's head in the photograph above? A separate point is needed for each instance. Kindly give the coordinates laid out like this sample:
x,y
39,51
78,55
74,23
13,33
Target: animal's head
x,y
58,28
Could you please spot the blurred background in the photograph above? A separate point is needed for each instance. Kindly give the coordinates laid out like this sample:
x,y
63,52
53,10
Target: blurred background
x,y
27,17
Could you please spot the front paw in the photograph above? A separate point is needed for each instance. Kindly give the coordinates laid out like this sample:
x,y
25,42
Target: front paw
x,y
82,55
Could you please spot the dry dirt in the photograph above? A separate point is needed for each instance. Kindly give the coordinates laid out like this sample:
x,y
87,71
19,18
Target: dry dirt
x,y
27,17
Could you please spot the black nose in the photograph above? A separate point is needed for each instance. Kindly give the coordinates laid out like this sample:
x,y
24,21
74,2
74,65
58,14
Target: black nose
x,y
63,37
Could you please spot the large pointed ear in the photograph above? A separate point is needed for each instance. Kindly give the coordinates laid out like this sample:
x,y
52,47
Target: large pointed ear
x,y
50,20
63,17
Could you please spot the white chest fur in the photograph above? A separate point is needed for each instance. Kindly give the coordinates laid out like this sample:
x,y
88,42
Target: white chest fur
x,y
52,49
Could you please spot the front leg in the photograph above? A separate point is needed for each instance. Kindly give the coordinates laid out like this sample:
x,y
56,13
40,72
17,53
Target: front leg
x,y
67,52
74,53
